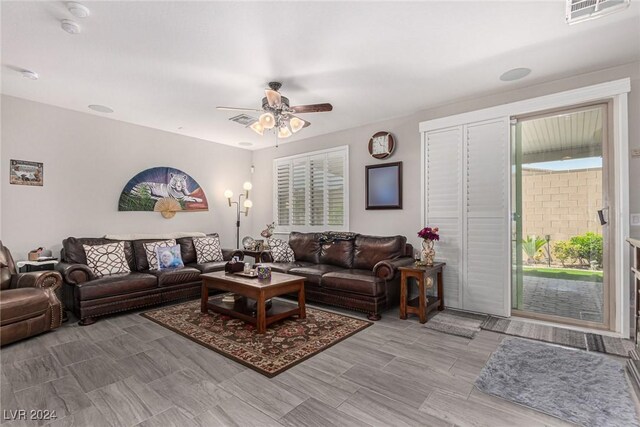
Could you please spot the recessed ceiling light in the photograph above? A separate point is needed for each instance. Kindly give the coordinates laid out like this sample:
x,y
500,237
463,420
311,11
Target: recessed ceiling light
x,y
31,75
515,74
180,128
100,108
78,10
567,158
246,144
70,26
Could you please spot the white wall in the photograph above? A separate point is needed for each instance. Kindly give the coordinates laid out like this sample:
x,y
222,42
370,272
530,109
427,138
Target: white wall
x,y
405,131
87,161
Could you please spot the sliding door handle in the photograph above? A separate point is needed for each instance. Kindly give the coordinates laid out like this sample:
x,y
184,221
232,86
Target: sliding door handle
x,y
601,216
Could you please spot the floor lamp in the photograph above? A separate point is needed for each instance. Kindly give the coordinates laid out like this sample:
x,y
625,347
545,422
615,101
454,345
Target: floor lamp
x,y
247,205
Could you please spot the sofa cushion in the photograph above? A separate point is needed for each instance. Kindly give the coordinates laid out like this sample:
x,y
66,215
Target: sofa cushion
x,y
281,251
74,252
22,303
306,246
208,249
284,267
176,276
357,281
337,252
115,284
369,250
106,259
313,273
208,267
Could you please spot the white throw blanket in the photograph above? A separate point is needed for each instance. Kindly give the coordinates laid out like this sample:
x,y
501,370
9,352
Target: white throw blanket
x,y
152,236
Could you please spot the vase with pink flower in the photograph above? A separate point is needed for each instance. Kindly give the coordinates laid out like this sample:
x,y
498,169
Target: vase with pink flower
x,y
428,235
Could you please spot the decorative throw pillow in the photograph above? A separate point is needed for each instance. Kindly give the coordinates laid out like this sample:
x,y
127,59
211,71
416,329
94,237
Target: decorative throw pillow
x,y
152,256
208,249
107,259
281,251
169,257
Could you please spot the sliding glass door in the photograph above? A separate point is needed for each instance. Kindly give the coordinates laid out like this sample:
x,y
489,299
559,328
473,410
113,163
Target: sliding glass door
x,y
559,204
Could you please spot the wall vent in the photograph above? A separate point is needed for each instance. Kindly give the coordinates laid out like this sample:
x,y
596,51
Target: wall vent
x,y
584,10
244,119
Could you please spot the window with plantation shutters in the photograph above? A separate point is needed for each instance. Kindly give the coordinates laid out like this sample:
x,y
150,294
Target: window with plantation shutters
x,y
310,191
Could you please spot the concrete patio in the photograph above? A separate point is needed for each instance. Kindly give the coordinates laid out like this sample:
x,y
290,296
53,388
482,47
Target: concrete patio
x,y
567,298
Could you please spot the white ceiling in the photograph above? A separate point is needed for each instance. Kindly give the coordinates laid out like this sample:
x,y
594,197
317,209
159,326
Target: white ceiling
x,y
169,64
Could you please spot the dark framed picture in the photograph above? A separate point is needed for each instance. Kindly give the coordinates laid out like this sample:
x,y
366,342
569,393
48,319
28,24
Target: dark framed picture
x,y
384,186
22,172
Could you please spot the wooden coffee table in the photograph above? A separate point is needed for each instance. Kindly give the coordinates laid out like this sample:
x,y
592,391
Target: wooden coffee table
x,y
256,289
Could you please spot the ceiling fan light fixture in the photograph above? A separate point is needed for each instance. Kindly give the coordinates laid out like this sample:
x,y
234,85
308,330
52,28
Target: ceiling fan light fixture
x,y
257,128
267,120
284,132
273,97
296,124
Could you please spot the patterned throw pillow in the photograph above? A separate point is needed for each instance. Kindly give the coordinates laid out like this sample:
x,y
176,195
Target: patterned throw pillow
x,y
169,257
152,256
107,259
208,249
281,251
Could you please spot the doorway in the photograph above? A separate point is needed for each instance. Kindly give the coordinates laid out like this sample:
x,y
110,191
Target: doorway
x,y
560,202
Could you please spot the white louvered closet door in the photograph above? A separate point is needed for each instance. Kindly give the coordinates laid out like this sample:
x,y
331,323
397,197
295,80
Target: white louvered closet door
x,y
443,208
486,210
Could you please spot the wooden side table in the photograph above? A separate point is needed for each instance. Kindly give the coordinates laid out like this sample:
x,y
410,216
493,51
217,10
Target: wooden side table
x,y
421,305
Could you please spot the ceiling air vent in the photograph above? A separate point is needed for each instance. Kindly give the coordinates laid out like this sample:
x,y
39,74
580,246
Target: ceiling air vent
x,y
244,119
584,10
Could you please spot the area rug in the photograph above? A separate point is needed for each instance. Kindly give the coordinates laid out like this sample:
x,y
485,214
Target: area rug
x,y
567,337
454,322
576,386
286,343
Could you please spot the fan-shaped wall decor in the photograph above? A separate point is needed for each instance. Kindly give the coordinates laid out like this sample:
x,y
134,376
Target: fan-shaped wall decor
x,y
147,188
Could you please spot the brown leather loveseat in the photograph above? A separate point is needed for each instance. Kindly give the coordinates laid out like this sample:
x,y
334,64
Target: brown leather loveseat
x,y
89,296
28,303
349,270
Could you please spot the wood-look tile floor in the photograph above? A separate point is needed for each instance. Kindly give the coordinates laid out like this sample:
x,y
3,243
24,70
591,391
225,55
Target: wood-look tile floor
x,y
125,370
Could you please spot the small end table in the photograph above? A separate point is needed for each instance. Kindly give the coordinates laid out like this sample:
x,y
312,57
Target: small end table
x,y
421,305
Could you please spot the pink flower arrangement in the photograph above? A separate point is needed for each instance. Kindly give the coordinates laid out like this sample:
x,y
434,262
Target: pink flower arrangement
x,y
429,233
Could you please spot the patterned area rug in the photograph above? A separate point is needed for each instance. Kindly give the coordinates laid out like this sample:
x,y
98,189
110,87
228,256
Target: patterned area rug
x,y
583,388
592,342
285,344
455,322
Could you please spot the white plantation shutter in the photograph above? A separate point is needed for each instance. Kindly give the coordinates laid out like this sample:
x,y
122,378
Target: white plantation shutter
x,y
336,190
486,227
443,161
283,194
466,196
299,184
310,191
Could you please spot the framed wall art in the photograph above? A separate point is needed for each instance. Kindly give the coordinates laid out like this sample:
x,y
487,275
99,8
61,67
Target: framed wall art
x,y
22,172
384,186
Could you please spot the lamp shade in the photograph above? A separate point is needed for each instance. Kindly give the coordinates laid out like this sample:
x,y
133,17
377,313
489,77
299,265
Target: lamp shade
x,y
284,132
247,186
228,194
274,98
257,128
248,203
296,124
267,120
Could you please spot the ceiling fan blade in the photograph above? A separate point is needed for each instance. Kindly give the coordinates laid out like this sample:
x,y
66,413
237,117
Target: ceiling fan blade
x,y
273,97
236,109
313,108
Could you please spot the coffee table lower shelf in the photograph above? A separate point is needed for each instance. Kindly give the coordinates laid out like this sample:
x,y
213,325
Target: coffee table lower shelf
x,y
243,309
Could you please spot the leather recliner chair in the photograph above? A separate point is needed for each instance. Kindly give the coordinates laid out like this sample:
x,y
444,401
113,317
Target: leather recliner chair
x,y
28,303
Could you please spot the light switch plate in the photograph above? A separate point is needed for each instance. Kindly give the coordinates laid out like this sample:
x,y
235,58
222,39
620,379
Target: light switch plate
x,y
635,152
635,220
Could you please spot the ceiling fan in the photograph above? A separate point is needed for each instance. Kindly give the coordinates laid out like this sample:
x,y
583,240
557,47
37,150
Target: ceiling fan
x,y
277,113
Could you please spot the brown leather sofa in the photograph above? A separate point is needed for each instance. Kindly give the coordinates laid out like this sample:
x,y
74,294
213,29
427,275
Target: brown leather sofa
x,y
89,296
354,271
28,303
